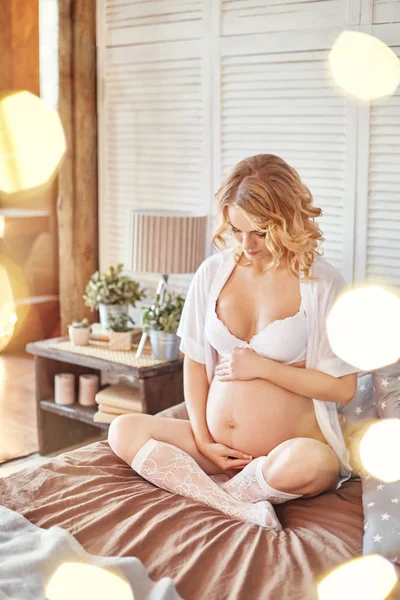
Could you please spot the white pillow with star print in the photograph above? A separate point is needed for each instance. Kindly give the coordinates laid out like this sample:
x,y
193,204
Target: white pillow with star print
x,y
382,500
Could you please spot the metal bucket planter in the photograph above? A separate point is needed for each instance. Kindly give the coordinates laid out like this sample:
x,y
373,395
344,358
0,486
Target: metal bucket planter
x,y
164,346
116,310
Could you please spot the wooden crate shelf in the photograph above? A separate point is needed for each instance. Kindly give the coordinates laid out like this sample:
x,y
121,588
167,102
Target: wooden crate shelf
x,y
75,411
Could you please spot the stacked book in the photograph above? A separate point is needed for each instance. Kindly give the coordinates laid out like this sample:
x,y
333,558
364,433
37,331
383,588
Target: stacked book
x,y
118,399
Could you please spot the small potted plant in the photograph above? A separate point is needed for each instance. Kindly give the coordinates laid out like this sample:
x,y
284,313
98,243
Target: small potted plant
x,y
161,321
79,332
121,329
112,293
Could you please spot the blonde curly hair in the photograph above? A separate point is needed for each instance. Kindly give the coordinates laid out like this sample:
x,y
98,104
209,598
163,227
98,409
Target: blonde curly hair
x,y
271,196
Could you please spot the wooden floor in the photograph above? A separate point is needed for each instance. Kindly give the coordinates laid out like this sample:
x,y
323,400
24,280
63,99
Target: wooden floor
x,y
12,466
18,433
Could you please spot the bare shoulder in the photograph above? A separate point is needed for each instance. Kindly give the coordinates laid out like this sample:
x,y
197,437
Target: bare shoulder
x,y
211,264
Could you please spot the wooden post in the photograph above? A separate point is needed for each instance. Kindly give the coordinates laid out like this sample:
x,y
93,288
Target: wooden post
x,y
19,45
5,46
77,199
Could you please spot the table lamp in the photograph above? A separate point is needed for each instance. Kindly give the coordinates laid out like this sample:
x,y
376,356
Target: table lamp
x,y
165,242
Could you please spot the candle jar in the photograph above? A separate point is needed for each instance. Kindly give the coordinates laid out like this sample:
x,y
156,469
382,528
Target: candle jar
x,y
88,388
64,388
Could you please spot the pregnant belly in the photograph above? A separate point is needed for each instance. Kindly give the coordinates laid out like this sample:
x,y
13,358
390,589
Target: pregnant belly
x,y
256,416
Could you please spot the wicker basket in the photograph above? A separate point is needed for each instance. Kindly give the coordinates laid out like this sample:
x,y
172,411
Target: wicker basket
x,y
120,340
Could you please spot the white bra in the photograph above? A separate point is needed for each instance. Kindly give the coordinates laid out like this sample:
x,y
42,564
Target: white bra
x,y
283,340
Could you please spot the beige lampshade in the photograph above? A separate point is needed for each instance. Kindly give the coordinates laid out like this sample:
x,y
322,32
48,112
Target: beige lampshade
x,y
166,242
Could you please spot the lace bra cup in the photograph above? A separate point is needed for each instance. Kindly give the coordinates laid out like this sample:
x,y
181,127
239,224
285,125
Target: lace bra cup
x,y
283,340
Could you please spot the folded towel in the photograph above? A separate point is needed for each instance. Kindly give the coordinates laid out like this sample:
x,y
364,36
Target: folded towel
x,y
121,395
113,410
102,417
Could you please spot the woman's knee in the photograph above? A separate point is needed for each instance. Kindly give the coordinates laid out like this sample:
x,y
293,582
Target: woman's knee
x,y
127,433
301,465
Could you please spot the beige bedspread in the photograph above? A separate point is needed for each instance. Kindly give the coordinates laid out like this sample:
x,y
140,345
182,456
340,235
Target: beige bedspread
x,y
113,511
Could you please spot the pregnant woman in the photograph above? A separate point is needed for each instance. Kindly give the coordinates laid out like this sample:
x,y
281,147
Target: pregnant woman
x,y
261,382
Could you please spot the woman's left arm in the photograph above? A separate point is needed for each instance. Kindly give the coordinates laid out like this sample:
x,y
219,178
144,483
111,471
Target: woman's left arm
x,y
245,364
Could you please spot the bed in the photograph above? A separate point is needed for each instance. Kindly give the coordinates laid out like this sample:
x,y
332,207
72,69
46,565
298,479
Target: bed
x,y
112,511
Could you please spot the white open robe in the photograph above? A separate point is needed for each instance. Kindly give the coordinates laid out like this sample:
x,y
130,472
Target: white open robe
x,y
318,297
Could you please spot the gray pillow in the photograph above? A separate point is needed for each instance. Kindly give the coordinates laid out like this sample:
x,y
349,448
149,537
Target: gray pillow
x,y
386,382
362,406
381,500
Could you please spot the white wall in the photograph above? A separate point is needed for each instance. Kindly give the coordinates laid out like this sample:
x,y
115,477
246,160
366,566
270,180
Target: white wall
x,y
48,51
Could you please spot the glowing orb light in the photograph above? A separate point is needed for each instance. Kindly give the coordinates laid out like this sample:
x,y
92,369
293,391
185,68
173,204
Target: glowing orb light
x,y
364,66
8,317
363,327
32,143
380,450
369,577
81,581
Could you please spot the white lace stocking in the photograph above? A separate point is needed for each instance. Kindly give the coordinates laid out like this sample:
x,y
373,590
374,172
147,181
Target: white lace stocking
x,y
172,469
249,485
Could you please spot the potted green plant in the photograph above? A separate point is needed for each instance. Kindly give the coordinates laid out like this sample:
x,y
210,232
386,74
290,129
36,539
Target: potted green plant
x,y
121,329
112,293
79,332
161,321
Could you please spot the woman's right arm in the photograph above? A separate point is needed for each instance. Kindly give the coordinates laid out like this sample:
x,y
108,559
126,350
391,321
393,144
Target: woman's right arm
x,y
195,387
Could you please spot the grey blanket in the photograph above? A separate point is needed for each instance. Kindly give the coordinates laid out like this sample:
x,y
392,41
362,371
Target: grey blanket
x,y
30,555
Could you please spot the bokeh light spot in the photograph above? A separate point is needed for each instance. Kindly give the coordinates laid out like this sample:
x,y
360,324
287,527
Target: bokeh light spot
x,y
363,327
80,581
380,450
7,309
362,65
369,577
32,142
13,287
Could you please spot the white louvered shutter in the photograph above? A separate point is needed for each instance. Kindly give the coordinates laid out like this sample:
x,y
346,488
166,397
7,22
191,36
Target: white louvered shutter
x,y
377,233
284,103
386,11
383,228
154,152
131,22
252,16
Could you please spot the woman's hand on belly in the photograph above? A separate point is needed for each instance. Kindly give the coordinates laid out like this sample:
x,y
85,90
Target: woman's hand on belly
x,y
243,364
223,456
